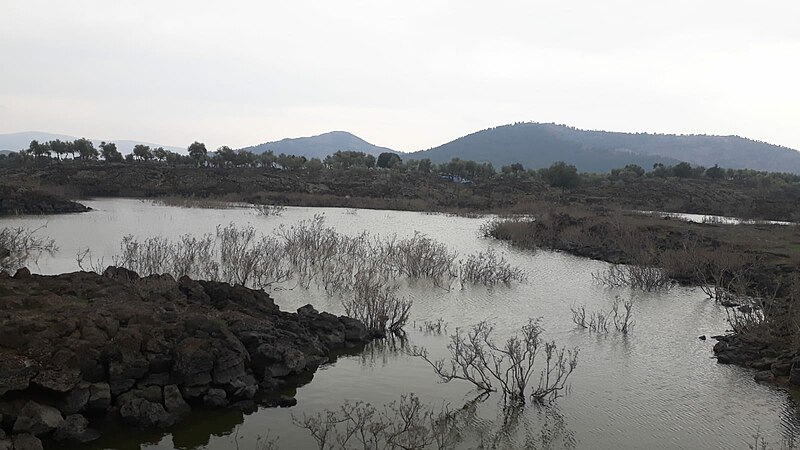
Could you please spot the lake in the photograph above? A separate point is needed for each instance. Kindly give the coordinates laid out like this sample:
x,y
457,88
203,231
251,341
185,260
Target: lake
x,y
657,387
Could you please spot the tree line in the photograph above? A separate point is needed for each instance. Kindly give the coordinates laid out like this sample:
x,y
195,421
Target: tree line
x,y
560,174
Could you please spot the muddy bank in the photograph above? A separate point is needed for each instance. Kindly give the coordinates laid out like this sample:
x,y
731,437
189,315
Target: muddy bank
x,y
80,348
16,200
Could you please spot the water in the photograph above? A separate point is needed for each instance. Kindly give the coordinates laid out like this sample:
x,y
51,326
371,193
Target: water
x,y
657,388
722,220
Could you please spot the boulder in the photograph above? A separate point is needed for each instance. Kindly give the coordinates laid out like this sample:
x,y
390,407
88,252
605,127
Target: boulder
x,y
26,442
76,429
175,404
58,380
99,397
15,373
149,393
145,414
781,368
76,400
215,398
37,419
355,330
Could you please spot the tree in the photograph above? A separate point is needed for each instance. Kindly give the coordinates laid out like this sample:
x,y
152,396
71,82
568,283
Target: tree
x,y
85,149
39,150
387,160
109,152
160,154
60,148
142,152
682,170
715,172
198,152
561,174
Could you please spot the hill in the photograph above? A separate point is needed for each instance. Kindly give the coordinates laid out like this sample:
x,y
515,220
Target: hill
x,y
537,145
319,146
18,141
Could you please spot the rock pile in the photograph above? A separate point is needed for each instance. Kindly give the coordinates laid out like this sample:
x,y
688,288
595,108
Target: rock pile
x,y
81,345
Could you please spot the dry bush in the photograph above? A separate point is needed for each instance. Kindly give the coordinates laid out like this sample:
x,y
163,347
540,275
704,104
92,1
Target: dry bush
x,y
646,278
489,268
597,321
193,202
475,357
20,246
363,269
434,327
269,210
377,305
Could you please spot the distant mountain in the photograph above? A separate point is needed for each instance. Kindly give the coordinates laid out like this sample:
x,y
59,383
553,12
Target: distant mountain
x,y
537,145
18,141
319,146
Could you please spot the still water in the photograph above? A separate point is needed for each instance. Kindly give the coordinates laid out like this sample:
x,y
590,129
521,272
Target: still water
x,y
656,388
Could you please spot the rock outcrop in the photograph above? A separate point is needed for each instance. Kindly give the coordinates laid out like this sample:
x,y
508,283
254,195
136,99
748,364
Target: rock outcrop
x,y
15,200
147,350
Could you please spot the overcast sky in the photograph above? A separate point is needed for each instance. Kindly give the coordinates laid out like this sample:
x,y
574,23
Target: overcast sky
x,y
405,74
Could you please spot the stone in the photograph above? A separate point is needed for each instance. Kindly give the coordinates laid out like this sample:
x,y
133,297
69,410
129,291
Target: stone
x,y
764,376
57,380
145,414
27,442
15,373
149,393
76,400
99,397
175,404
22,273
155,379
76,429
354,330
194,392
37,419
781,368
215,398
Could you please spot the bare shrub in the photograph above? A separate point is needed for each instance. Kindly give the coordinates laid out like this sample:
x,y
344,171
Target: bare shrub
x,y
193,202
363,269
435,327
20,246
597,321
269,210
377,305
489,268
475,357
620,316
646,278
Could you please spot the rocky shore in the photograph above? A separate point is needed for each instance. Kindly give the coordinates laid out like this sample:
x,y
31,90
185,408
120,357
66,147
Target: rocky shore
x,y
775,363
16,200
79,348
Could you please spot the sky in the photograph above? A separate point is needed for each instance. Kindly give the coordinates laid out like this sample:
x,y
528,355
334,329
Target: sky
x,y
408,75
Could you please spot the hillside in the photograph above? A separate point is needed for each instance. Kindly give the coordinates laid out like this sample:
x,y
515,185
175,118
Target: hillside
x,y
18,141
319,146
539,145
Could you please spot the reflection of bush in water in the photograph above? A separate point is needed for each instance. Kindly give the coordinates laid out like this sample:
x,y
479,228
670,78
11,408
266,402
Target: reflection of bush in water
x,y
384,350
410,424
